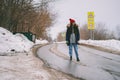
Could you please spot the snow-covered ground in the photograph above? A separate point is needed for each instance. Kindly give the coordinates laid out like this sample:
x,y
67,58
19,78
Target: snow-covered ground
x,y
18,62
14,63
107,44
20,66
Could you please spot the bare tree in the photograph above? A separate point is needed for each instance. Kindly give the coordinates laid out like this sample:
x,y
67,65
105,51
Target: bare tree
x,y
84,32
61,36
13,13
24,16
100,32
44,19
118,32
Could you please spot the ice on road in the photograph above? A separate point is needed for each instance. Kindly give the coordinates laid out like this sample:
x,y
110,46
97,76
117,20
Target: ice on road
x,y
93,65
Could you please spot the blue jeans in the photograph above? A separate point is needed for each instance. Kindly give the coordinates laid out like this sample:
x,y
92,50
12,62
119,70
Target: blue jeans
x,y
75,49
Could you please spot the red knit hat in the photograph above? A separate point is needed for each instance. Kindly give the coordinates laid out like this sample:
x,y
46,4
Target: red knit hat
x,y
72,20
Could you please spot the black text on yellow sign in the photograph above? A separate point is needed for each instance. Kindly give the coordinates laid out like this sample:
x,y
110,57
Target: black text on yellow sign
x,y
91,23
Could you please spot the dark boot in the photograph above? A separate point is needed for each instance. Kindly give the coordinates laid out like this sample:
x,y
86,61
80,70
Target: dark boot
x,y
78,59
70,58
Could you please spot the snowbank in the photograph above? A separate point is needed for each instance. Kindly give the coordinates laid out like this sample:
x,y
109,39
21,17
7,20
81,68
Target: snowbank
x,y
10,43
108,44
41,41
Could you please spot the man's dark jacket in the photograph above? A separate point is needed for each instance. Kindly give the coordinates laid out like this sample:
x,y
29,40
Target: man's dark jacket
x,y
69,32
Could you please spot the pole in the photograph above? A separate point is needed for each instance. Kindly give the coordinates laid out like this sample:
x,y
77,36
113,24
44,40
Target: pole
x,y
93,34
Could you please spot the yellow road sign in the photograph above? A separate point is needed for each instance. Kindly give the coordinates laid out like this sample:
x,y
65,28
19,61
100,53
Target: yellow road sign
x,y
91,24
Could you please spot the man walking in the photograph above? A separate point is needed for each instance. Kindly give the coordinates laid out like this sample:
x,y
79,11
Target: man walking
x,y
72,38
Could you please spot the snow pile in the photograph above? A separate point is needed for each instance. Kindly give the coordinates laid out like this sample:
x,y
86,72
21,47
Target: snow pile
x,y
10,66
13,43
109,44
41,41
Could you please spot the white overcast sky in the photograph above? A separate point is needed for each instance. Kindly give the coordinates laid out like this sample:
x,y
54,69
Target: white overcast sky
x,y
106,11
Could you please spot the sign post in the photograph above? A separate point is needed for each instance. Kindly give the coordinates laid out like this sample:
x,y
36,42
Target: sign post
x,y
91,24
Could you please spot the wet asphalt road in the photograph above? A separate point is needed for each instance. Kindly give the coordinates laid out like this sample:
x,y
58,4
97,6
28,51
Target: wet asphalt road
x,y
93,65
